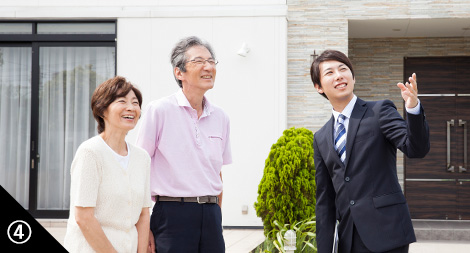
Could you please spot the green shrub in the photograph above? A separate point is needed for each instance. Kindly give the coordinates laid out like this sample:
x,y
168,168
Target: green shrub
x,y
286,193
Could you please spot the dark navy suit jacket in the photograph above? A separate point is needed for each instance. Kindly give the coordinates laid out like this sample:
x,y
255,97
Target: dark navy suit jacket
x,y
364,191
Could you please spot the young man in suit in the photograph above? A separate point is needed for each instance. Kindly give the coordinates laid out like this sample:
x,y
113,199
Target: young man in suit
x,y
355,161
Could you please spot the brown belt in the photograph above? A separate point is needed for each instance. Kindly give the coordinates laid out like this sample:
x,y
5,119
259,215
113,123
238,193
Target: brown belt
x,y
200,200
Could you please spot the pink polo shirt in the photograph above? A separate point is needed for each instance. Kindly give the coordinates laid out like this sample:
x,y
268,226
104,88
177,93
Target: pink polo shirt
x,y
187,153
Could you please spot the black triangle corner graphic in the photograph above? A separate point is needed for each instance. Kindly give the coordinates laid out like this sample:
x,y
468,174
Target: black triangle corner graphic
x,y
20,232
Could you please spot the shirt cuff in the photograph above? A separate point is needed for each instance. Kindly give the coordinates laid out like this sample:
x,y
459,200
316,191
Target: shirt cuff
x,y
416,110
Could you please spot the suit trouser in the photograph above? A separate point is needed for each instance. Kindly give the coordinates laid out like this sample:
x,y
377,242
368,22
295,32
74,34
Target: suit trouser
x,y
359,247
187,227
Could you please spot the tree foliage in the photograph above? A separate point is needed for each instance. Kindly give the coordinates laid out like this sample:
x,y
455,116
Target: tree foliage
x,y
286,193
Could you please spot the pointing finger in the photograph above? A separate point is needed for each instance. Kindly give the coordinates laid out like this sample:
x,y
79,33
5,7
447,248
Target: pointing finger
x,y
401,86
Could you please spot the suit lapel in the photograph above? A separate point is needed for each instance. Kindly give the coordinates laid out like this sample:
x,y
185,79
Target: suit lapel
x,y
354,121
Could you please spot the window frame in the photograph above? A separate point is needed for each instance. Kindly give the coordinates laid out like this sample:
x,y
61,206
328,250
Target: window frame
x,y
35,37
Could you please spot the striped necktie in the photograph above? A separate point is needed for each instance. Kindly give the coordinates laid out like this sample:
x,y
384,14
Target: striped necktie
x,y
340,138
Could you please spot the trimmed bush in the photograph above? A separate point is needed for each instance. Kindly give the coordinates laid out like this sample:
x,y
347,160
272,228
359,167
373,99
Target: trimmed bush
x,y
286,192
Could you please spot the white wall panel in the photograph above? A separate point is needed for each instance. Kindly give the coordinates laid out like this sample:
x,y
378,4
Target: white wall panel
x,y
248,92
251,89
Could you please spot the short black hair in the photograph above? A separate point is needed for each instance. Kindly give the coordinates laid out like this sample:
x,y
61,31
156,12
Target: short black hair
x,y
328,55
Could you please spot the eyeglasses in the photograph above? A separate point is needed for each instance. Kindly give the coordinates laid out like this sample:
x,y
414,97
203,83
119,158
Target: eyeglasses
x,y
201,61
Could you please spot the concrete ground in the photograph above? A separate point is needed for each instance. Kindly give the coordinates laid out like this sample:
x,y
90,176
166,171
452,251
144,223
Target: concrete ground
x,y
244,240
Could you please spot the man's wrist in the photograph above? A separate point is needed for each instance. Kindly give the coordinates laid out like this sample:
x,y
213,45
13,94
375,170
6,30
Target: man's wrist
x,y
415,110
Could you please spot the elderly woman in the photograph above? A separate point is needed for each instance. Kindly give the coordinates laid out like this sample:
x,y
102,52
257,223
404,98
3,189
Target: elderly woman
x,y
110,191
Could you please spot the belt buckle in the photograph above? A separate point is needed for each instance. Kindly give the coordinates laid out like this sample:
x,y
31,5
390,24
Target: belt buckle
x,y
200,202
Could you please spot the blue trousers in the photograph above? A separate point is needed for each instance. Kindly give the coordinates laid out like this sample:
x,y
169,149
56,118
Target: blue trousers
x,y
187,227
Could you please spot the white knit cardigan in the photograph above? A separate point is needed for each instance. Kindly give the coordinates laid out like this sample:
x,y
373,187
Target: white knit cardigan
x,y
117,194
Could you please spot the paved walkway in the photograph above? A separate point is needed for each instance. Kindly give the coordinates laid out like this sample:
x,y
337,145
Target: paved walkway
x,y
236,240
244,240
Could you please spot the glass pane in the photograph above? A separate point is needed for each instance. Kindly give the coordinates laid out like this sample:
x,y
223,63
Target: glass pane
x,y
16,28
68,77
76,28
15,112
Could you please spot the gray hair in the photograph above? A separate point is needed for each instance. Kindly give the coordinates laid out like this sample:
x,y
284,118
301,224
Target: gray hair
x,y
178,53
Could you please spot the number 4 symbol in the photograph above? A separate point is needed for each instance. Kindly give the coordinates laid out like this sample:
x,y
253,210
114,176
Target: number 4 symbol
x,y
19,232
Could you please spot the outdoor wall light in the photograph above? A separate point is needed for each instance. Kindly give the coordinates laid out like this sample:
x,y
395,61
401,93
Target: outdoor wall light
x,y
313,56
243,50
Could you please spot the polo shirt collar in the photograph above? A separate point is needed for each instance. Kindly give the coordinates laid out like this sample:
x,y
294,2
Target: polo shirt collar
x,y
183,102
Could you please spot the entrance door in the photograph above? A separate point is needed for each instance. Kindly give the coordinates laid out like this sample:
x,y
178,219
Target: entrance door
x,y
438,186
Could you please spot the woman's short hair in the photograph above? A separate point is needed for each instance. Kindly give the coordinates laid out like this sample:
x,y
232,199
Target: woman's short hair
x,y
106,93
328,55
178,53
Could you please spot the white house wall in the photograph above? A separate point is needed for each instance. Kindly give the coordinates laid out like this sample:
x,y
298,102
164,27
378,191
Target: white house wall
x,y
251,89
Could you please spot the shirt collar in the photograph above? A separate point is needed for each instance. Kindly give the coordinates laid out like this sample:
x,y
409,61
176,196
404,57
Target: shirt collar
x,y
183,102
347,111
181,99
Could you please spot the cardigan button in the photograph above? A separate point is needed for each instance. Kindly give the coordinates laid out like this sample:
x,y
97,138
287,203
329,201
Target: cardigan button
x,y
347,179
352,202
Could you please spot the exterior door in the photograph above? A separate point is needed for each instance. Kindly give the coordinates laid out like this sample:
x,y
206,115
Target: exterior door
x,y
438,186
48,72
45,91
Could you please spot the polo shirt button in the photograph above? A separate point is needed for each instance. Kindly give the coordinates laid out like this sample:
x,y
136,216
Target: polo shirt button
x,y
347,179
352,202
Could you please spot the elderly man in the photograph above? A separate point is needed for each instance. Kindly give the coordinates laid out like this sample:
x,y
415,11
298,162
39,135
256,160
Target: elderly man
x,y
188,140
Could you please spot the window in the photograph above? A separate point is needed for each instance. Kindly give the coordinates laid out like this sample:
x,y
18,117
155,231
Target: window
x,y
16,28
47,77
